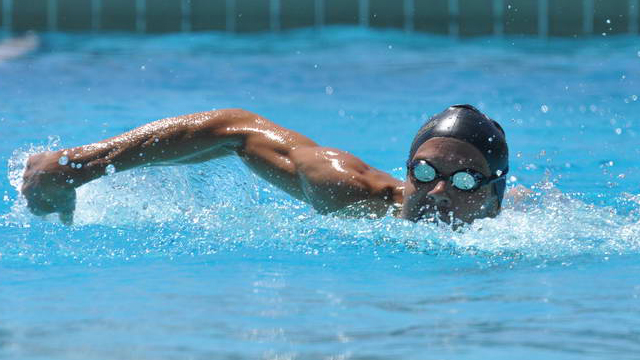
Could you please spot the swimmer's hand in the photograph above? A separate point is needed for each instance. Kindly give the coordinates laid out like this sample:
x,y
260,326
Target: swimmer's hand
x,y
47,187
517,197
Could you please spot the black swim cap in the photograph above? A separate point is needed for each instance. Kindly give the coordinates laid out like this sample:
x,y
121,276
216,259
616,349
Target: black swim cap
x,y
466,123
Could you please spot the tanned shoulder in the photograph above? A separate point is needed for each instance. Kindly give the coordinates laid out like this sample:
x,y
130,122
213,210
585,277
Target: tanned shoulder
x,y
333,179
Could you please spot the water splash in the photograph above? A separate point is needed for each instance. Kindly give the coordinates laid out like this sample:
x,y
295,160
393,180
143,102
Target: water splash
x,y
221,206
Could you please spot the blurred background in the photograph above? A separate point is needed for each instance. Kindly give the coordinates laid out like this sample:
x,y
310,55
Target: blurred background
x,y
571,18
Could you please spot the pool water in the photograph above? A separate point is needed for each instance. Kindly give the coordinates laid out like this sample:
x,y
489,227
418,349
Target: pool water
x,y
207,261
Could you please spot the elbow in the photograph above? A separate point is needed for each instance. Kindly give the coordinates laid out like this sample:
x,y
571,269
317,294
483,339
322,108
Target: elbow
x,y
235,115
228,122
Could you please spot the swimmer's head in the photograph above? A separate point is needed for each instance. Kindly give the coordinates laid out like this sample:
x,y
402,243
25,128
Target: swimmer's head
x,y
456,167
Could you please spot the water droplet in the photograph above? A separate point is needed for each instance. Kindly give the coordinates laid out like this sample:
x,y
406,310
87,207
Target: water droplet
x,y
608,21
143,67
491,139
328,90
110,169
634,97
519,154
78,166
498,172
64,160
513,178
70,181
544,108
618,131
610,163
73,165
622,176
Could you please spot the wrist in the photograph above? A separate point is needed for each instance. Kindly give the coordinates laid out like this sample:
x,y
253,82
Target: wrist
x,y
77,168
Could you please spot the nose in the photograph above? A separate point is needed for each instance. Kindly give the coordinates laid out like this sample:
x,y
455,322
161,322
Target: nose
x,y
439,195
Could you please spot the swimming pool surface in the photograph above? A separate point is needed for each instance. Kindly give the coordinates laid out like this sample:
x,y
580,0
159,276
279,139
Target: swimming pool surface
x,y
210,262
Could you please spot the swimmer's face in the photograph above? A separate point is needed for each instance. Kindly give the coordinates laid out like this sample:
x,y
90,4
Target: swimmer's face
x,y
439,198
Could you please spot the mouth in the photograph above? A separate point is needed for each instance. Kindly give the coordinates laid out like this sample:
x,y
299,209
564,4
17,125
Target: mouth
x,y
435,214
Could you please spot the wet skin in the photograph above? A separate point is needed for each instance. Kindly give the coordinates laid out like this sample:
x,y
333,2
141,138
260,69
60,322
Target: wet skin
x,y
439,198
329,179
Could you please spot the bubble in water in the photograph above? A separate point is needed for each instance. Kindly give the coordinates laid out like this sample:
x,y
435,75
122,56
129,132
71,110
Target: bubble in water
x,y
110,169
544,108
608,21
78,166
498,172
328,90
64,160
618,131
513,178
634,97
491,139
73,165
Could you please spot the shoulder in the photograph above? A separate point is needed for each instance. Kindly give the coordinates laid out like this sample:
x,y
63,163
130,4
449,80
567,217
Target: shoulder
x,y
333,179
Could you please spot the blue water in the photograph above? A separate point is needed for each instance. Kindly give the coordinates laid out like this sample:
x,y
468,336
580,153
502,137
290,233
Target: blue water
x,y
210,262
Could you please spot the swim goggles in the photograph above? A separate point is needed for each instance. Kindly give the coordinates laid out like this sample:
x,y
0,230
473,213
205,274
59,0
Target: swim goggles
x,y
465,180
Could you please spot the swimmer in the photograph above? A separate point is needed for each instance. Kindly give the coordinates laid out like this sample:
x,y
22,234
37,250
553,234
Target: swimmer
x,y
455,170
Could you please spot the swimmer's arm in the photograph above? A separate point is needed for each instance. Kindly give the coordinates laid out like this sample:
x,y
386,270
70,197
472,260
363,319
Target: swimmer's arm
x,y
517,196
329,179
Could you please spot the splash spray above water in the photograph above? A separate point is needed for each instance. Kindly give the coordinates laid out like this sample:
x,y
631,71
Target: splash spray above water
x,y
212,207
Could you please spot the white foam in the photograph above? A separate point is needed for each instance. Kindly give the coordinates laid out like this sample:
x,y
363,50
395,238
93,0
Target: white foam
x,y
213,205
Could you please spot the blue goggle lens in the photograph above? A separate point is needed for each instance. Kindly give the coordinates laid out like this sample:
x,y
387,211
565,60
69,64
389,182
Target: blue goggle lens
x,y
424,172
462,180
